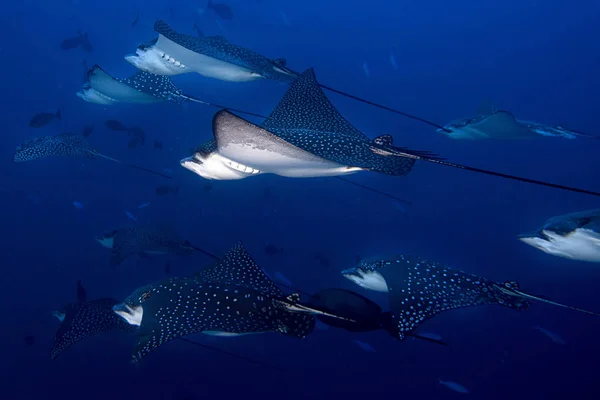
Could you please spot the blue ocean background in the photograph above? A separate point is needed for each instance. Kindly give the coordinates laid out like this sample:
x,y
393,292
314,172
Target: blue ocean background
x,y
538,59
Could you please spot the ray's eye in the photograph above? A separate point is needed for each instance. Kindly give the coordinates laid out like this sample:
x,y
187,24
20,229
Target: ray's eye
x,y
145,296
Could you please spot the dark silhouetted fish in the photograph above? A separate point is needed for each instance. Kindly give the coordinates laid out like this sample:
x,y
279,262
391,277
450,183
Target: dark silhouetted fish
x,y
211,56
232,297
140,88
136,20
116,126
80,40
42,119
574,236
87,130
143,241
65,145
419,289
222,10
198,31
164,190
29,340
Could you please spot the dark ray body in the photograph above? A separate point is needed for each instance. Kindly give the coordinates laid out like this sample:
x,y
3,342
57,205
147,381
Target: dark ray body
x,y
66,145
233,296
85,319
143,241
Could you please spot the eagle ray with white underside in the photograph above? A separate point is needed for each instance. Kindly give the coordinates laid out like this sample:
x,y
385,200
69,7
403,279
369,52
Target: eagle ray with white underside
x,y
175,53
305,136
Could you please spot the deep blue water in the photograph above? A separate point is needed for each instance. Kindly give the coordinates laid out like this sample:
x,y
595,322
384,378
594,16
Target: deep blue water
x,y
538,59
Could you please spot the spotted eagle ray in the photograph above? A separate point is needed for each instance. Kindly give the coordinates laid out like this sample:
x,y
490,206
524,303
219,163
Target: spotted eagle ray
x,y
574,236
231,297
65,145
144,241
419,289
175,53
491,123
84,319
305,136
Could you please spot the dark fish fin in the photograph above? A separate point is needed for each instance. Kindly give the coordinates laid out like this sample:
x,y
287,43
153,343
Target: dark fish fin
x,y
131,165
260,363
512,289
305,106
427,339
237,267
384,107
58,114
500,174
398,199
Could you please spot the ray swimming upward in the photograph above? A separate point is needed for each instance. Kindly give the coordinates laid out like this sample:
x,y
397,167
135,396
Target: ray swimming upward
x,y
305,136
231,297
144,241
66,145
84,319
419,289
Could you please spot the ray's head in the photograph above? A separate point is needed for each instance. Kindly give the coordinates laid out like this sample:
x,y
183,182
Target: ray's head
x,y
365,275
209,164
107,239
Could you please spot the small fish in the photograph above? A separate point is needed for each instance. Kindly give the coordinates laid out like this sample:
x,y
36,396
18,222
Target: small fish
x,y
458,388
80,40
130,216
282,279
144,205
42,119
323,259
198,31
393,60
366,69
164,190
157,145
222,10
29,340
364,346
271,249
116,126
136,20
78,205
87,130
555,337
